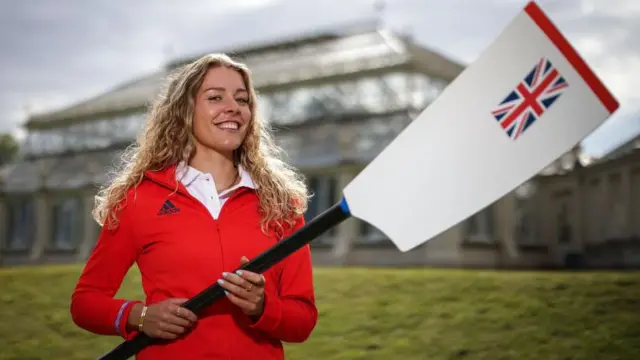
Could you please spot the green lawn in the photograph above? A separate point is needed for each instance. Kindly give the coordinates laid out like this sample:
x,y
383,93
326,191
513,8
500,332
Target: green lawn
x,y
382,314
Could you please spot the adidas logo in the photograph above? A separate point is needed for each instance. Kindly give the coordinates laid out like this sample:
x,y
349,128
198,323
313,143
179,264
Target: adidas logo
x,y
168,208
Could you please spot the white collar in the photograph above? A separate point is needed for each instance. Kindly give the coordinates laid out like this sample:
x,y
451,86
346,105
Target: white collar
x,y
187,174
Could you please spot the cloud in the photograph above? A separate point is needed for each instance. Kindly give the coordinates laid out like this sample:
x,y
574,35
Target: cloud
x,y
602,32
275,20
58,53
605,35
621,9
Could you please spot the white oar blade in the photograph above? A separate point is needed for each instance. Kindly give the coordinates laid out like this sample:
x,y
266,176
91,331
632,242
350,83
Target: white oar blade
x,y
524,102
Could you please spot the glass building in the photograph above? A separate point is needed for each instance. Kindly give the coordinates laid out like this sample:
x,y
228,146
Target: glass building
x,y
336,100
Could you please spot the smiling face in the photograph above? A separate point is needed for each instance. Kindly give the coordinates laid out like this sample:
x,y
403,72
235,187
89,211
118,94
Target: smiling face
x,y
222,112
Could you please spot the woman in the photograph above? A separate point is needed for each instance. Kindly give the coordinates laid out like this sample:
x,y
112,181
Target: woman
x,y
203,192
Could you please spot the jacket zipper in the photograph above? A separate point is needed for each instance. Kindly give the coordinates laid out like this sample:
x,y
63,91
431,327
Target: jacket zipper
x,y
216,223
236,194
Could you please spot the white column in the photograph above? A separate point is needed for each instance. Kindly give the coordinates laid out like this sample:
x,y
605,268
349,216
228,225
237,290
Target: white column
x,y
506,224
43,233
90,228
347,231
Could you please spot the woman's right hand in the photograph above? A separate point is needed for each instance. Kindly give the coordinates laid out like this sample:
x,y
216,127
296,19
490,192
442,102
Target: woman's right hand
x,y
164,320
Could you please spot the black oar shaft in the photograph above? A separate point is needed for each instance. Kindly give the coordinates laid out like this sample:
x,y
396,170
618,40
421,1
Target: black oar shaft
x,y
314,228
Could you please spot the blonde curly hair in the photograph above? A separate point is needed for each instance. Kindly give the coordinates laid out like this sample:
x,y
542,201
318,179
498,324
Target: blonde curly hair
x,y
167,139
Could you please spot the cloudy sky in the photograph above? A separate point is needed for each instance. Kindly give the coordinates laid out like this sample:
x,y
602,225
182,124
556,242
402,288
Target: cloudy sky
x,y
55,53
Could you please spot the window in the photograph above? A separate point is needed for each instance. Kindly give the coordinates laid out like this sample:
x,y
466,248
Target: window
x,y
313,208
20,224
480,226
370,234
425,89
525,231
92,134
564,231
369,94
618,209
524,222
68,220
594,206
323,195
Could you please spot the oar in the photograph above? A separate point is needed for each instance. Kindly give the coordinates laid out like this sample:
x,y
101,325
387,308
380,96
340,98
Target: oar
x,y
528,99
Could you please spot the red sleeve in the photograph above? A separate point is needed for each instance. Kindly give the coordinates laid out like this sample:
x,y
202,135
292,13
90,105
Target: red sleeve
x,y
290,315
93,306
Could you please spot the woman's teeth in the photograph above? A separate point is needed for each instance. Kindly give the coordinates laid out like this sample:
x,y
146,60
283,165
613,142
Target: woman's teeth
x,y
231,125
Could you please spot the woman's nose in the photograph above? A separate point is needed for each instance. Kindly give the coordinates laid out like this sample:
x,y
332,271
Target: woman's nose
x,y
232,106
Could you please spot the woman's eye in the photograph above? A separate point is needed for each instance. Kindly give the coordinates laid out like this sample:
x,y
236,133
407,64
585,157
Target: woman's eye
x,y
245,101
214,98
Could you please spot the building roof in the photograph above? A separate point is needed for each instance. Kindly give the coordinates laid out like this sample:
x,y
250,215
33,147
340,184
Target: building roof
x,y
67,172
273,66
627,147
129,96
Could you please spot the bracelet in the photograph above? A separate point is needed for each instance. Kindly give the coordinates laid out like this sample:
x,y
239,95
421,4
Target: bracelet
x,y
141,321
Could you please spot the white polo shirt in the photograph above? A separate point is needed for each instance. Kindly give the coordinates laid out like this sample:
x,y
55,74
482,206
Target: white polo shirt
x,y
202,186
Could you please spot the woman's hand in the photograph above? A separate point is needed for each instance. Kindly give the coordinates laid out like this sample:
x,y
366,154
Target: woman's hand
x,y
245,290
164,320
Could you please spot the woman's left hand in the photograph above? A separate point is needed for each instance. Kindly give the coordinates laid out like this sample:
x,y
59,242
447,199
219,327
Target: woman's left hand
x,y
246,290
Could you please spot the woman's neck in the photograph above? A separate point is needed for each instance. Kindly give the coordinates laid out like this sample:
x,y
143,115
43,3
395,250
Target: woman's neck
x,y
221,167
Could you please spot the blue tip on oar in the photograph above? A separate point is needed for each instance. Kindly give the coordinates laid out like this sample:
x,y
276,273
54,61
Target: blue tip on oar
x,y
344,206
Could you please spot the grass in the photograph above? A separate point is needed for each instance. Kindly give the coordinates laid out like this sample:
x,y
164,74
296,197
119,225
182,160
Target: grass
x,y
382,314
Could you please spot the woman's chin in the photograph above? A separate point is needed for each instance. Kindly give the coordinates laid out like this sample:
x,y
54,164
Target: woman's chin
x,y
221,140
226,145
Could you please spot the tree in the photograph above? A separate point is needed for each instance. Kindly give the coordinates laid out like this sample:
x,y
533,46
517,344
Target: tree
x,y
8,148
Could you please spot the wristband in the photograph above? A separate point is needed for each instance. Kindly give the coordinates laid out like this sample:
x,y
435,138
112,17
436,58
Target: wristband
x,y
141,321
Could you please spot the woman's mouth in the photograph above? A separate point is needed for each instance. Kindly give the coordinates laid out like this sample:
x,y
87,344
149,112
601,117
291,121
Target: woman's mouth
x,y
229,125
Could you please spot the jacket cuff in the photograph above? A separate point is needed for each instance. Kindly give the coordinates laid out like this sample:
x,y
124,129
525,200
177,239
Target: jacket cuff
x,y
123,315
271,316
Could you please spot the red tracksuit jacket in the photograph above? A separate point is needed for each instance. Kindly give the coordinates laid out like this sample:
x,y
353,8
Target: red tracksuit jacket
x,y
181,253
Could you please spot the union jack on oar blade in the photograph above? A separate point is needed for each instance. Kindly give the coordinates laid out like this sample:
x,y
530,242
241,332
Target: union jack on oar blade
x,y
534,95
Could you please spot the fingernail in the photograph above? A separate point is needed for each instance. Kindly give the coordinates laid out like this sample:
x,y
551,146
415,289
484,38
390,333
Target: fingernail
x,y
225,274
226,292
239,272
220,281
